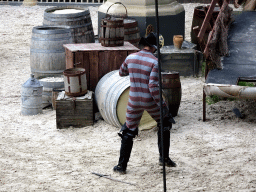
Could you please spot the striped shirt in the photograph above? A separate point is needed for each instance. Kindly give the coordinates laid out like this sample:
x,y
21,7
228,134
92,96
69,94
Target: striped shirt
x,y
142,67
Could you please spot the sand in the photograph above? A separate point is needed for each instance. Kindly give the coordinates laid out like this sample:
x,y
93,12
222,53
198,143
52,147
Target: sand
x,y
216,155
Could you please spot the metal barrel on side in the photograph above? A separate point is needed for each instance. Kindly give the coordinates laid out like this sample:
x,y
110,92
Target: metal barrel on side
x,y
107,92
111,95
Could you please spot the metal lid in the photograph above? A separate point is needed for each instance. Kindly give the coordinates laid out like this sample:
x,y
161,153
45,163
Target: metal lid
x,y
32,82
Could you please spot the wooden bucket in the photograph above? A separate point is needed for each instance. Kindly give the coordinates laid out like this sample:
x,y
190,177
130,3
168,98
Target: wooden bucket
x,y
131,31
75,18
75,82
112,32
47,54
112,29
172,90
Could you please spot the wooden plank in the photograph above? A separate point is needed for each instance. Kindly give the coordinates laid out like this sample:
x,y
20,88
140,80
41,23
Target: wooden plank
x,y
103,63
94,69
78,61
119,59
77,123
98,47
130,52
86,66
102,30
112,34
107,33
69,58
206,50
206,20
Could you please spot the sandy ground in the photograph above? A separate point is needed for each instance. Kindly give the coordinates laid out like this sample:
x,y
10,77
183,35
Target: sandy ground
x,y
216,155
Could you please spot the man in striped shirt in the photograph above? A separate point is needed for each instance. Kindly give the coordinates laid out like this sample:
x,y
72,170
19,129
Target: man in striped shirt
x,y
142,67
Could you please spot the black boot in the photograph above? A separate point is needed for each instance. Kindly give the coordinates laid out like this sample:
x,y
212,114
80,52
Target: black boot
x,y
165,156
126,148
125,152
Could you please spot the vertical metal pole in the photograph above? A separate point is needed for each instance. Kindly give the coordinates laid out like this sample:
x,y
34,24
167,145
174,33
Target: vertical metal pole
x,y
160,92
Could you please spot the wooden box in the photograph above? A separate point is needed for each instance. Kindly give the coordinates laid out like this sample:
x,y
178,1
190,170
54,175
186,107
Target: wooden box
x,y
74,111
96,59
186,61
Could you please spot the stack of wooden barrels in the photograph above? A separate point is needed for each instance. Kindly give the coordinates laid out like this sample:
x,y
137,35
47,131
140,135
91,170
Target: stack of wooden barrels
x,y
61,25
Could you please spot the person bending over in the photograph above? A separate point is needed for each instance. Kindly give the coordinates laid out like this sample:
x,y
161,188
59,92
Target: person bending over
x,y
142,68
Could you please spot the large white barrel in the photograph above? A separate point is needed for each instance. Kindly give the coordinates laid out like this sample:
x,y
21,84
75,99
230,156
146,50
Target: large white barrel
x,y
111,95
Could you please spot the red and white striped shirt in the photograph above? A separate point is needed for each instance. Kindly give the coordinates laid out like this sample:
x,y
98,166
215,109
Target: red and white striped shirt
x,y
142,67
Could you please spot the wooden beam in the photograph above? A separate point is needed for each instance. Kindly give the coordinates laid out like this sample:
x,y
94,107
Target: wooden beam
x,y
206,20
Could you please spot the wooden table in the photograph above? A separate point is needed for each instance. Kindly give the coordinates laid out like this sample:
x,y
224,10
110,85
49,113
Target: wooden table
x,y
96,59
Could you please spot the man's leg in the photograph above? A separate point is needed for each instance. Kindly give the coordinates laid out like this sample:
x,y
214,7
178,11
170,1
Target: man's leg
x,y
127,136
166,141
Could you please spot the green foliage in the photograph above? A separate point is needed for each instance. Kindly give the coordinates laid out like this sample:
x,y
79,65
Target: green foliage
x,y
212,99
203,68
244,83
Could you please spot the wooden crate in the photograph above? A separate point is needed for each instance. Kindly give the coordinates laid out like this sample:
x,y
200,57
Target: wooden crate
x,y
76,112
186,61
96,59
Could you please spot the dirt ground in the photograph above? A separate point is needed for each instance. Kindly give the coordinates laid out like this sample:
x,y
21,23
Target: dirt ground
x,y
216,155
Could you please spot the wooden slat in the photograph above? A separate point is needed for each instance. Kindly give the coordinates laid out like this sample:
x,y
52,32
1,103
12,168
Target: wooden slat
x,y
69,58
94,69
104,64
78,114
206,50
118,59
86,65
206,20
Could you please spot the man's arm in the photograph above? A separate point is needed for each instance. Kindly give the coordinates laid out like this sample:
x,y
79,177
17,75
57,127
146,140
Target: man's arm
x,y
155,93
154,85
123,71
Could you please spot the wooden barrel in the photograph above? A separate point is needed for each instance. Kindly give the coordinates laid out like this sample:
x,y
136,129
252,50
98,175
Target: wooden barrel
x,y
172,90
47,54
112,32
111,95
75,82
131,31
198,18
77,19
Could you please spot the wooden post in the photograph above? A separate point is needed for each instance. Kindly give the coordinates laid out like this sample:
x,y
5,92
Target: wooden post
x,y
206,20
204,106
